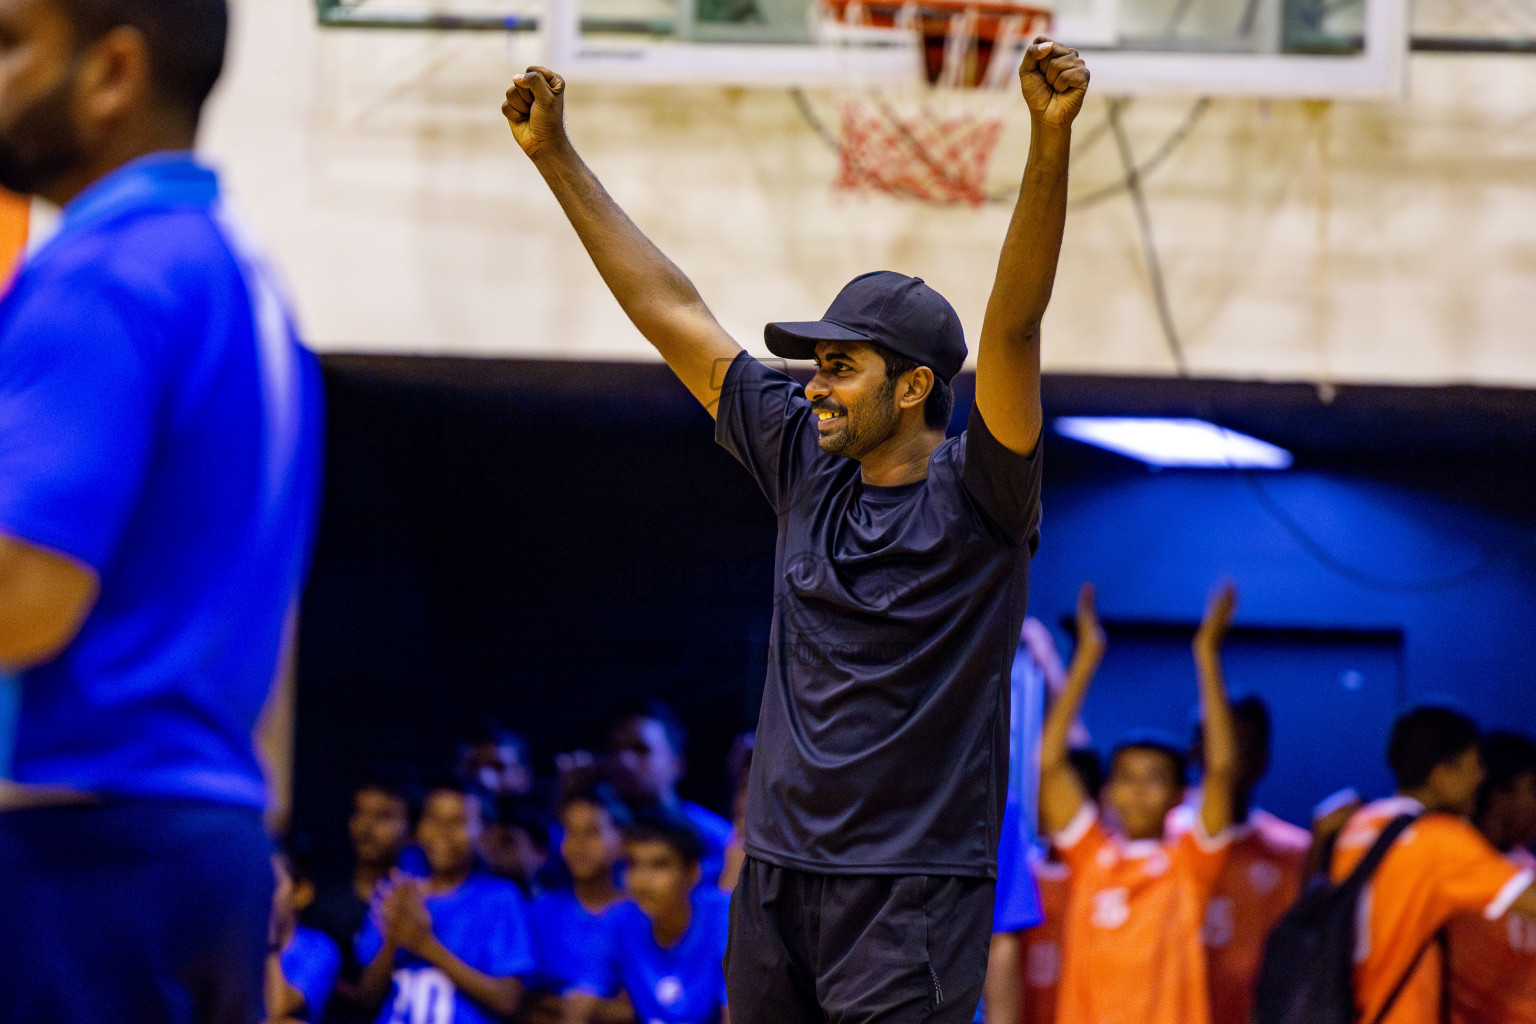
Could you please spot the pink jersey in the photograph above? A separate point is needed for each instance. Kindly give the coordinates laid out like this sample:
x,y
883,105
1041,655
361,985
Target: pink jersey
x,y
1262,879
1041,956
1493,964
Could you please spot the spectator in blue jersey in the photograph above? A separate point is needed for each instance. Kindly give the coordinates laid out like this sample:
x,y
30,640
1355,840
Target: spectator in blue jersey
x,y
568,924
160,430
647,759
455,944
666,948
515,843
302,963
385,807
496,759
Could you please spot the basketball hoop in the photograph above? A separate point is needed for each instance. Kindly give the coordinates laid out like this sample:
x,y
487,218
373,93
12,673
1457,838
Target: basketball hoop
x,y
934,140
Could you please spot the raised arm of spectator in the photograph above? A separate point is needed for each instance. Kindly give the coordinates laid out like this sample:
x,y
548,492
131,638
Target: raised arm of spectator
x,y
656,296
1054,81
1036,638
1220,749
1061,794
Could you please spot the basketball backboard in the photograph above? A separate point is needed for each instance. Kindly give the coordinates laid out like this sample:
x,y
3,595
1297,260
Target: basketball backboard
x,y
1276,48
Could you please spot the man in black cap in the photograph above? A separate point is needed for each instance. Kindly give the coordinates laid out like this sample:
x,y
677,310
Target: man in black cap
x,y
876,794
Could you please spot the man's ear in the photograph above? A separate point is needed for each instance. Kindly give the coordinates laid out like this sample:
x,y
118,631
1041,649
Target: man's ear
x,y
115,76
918,387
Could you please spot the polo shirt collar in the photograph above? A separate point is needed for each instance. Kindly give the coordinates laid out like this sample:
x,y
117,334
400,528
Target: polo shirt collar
x,y
156,180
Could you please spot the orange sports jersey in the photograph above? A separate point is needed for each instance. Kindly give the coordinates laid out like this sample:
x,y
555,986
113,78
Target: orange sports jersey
x,y
1439,867
1262,879
1040,959
1493,964
1132,952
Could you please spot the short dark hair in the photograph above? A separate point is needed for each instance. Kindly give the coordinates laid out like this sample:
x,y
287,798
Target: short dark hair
x,y
487,733
1245,707
298,855
940,403
677,733
1157,741
397,781
466,788
1085,761
186,41
1425,737
660,825
1506,757
602,796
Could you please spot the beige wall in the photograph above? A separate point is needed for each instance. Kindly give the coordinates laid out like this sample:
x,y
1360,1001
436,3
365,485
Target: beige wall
x,y
1359,242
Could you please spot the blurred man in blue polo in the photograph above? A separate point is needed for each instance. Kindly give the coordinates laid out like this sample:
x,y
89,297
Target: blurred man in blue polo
x,y
159,465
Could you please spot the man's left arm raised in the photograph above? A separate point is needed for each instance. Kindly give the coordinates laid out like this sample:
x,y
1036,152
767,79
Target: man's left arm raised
x,y
1054,81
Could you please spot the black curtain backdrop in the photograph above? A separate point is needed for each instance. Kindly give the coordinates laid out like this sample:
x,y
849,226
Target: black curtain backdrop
x,y
545,542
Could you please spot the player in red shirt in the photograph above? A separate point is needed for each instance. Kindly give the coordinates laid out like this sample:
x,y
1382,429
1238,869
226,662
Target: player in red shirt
x,y
1263,876
1439,867
1132,952
1493,963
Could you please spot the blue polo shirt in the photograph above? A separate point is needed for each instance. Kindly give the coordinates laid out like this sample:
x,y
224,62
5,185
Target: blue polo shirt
x,y
160,423
683,984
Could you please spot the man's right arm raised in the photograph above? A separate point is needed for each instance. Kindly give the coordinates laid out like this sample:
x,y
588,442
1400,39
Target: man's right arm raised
x,y
656,296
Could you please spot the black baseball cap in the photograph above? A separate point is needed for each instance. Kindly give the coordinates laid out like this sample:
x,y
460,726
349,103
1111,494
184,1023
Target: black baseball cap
x,y
900,312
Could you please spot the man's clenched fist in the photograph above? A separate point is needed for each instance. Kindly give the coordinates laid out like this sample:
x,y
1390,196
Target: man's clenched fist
x,y
535,110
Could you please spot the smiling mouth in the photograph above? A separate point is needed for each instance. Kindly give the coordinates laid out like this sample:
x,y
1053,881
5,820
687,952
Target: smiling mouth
x,y
826,418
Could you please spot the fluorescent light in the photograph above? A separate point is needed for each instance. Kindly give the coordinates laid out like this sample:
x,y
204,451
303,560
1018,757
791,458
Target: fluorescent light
x,y
1175,442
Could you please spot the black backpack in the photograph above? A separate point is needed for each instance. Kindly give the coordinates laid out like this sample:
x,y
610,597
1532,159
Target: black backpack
x,y
1307,975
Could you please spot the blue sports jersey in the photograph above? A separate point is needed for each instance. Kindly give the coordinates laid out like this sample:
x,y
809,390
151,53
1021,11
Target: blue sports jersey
x,y
10,708
681,985
310,964
1018,899
570,943
161,424
483,922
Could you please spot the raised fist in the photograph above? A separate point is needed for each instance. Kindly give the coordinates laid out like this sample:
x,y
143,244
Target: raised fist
x,y
535,108
1055,80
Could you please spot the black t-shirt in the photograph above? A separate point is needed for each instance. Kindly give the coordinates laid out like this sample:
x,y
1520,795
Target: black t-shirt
x,y
882,745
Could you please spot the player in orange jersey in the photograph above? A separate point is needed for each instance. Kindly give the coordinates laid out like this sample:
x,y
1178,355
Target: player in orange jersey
x,y
1132,949
1039,968
1493,963
1263,875
1439,867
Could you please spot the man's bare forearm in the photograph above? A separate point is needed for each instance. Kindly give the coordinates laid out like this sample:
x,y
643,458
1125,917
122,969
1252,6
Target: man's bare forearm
x,y
1008,353
1026,270
654,293
646,283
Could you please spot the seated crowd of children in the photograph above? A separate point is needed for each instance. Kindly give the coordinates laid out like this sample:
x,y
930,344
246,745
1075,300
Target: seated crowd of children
x,y
467,904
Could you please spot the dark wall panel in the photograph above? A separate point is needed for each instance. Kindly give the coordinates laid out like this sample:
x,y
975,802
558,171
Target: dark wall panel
x,y
543,542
